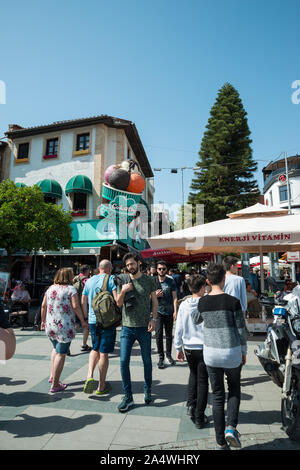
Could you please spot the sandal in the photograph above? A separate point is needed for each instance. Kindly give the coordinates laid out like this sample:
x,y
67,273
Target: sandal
x,y
51,381
106,390
89,386
61,388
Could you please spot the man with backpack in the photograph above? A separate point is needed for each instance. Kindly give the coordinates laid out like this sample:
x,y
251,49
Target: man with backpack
x,y
103,340
79,283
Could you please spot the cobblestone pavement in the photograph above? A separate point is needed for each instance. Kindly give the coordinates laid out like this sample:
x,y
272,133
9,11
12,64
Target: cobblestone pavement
x,y
32,418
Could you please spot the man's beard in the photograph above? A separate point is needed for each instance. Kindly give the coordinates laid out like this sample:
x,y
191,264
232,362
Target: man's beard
x,y
134,271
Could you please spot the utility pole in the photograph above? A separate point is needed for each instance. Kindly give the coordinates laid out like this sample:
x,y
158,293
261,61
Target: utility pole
x,y
287,182
289,206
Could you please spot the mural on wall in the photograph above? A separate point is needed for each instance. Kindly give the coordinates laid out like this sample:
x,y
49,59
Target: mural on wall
x,y
123,210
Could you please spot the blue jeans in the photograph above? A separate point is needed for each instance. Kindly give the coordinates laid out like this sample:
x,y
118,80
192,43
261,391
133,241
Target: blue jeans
x,y
127,339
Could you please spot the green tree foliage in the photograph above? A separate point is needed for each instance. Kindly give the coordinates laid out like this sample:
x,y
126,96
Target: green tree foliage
x,y
225,181
28,223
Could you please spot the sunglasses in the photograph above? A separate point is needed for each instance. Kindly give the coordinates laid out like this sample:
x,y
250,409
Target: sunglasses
x,y
161,269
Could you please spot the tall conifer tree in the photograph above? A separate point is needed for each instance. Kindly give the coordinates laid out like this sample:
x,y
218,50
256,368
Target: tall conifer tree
x,y
225,181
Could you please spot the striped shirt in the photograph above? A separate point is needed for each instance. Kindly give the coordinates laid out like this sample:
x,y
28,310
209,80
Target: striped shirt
x,y
224,333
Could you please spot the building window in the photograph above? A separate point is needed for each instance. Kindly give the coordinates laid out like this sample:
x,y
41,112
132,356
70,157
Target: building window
x,y
83,141
50,200
52,147
283,193
79,206
23,151
128,153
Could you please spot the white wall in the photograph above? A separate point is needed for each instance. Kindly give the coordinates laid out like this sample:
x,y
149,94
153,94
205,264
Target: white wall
x,y
295,194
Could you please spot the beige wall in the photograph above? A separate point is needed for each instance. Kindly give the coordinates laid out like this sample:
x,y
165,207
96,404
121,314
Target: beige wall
x,y
120,146
99,165
5,157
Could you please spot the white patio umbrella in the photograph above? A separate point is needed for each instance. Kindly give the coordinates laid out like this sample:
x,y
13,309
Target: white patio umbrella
x,y
256,229
255,261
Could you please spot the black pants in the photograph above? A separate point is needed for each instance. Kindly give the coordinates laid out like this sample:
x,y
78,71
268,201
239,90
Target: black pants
x,y
216,377
164,321
198,382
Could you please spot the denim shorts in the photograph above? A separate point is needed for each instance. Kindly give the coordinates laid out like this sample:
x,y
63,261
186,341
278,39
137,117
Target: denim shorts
x,y
60,348
103,340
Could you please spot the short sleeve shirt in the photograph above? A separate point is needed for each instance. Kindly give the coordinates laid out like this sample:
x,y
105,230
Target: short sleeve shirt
x,y
91,287
166,303
139,314
60,319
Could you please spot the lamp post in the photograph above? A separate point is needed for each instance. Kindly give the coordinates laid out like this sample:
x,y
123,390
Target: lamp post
x,y
289,207
175,170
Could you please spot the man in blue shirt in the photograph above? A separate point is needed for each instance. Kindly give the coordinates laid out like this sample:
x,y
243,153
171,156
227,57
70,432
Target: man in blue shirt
x,y
103,341
166,292
254,280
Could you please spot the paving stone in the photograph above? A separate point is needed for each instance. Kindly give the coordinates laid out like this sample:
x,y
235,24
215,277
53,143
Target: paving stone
x,y
74,420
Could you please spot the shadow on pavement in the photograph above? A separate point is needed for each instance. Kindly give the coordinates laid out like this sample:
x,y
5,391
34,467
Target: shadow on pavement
x,y
260,417
9,381
248,381
31,398
276,444
30,426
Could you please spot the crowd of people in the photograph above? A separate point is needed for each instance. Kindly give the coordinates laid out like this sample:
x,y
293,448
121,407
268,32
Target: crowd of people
x,y
210,333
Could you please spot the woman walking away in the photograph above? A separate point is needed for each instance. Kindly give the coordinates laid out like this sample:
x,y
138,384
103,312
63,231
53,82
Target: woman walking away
x,y
59,307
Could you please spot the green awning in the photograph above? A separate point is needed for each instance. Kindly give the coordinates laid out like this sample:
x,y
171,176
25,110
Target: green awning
x,y
89,233
21,185
79,184
50,188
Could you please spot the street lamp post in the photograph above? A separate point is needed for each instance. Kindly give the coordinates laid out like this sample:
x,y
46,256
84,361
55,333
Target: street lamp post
x,y
294,277
175,170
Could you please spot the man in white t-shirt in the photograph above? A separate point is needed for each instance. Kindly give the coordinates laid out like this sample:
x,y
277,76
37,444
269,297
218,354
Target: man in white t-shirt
x,y
235,285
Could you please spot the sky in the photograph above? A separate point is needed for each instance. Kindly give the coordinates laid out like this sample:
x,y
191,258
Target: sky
x,y
158,63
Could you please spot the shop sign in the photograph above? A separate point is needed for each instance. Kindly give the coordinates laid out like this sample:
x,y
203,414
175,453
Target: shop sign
x,y
4,278
256,238
293,256
282,178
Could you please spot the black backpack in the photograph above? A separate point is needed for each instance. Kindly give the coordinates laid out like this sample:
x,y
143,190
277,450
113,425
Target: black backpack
x,y
107,312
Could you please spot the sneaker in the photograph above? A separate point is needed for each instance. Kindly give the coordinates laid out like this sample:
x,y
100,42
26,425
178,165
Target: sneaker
x,y
148,398
171,361
126,404
161,364
86,348
224,447
232,437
